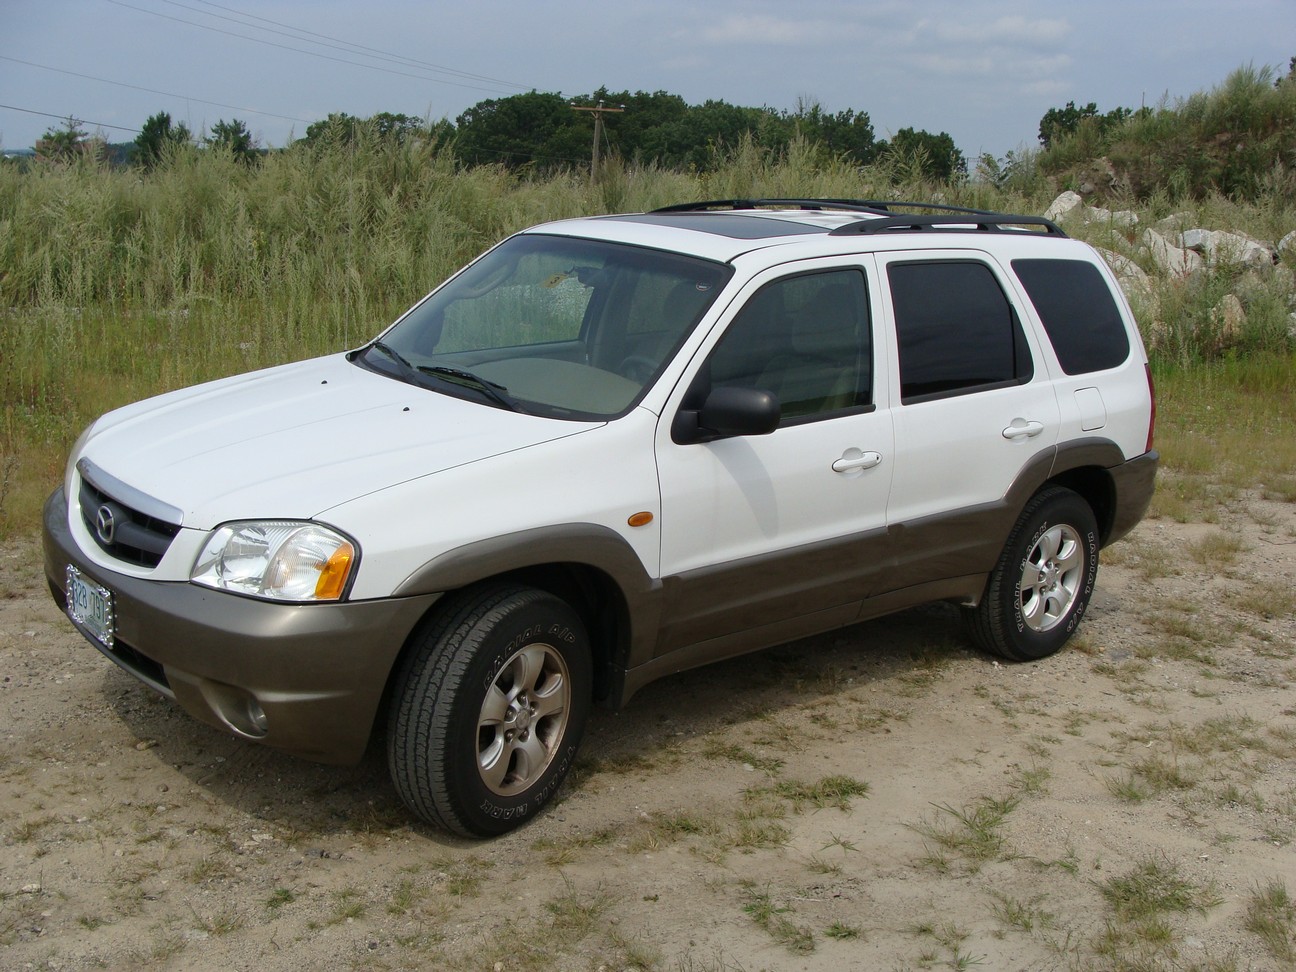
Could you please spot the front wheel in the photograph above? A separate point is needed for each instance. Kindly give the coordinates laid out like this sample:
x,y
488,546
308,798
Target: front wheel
x,y
1039,589
489,708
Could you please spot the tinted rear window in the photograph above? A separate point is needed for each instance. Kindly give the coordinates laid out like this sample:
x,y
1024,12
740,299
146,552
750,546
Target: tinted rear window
x,y
957,332
1078,311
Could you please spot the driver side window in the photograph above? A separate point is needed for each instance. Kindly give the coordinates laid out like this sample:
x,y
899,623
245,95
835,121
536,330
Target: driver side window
x,y
806,339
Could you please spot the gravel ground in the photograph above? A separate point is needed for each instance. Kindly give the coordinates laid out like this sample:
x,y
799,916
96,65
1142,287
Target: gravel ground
x,y
882,797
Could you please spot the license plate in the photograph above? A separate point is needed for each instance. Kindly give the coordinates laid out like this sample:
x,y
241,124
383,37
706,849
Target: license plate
x,y
90,606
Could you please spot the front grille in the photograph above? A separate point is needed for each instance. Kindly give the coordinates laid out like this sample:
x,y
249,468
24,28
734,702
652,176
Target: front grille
x,y
133,536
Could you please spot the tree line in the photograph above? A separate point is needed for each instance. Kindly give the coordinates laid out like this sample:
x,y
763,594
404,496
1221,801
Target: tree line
x,y
1235,139
543,131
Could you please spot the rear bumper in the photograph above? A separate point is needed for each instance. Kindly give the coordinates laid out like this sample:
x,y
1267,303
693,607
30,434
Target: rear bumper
x,y
1134,482
307,678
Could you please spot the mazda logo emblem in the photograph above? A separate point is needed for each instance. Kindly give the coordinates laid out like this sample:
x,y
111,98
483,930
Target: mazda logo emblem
x,y
105,525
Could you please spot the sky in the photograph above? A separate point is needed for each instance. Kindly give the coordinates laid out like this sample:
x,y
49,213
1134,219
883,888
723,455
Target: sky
x,y
985,71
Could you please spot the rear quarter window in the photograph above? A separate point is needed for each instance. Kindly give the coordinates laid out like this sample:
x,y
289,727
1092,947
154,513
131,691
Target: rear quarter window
x,y
1079,313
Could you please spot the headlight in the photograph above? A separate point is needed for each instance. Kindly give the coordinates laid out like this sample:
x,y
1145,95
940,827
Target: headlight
x,y
284,560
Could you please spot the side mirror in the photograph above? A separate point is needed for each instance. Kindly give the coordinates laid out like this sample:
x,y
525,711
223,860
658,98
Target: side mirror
x,y
728,412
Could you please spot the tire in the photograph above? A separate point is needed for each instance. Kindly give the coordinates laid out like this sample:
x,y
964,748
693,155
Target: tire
x,y
1039,590
488,709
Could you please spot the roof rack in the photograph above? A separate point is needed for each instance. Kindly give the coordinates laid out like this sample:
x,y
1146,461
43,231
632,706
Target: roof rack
x,y
850,205
878,206
985,222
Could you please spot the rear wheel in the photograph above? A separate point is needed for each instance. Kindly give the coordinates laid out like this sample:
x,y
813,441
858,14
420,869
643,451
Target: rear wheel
x,y
1039,589
489,708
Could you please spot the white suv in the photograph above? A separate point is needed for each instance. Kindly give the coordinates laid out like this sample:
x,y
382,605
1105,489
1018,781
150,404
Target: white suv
x,y
608,450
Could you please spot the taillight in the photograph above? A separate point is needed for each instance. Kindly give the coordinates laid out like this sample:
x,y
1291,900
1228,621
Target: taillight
x,y
1152,400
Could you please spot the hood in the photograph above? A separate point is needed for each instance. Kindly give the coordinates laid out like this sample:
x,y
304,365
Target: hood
x,y
295,440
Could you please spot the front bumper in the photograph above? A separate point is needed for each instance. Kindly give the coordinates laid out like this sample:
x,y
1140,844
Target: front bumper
x,y
304,678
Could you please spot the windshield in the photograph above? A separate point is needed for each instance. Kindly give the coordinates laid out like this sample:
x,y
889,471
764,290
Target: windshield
x,y
552,325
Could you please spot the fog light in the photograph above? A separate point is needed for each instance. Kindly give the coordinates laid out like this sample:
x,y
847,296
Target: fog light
x,y
257,716
237,708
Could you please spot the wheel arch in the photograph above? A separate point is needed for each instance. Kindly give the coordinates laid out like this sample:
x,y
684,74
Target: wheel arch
x,y
590,567
1084,468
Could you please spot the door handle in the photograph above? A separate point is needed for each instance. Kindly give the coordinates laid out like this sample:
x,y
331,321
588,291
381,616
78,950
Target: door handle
x,y
862,460
1021,429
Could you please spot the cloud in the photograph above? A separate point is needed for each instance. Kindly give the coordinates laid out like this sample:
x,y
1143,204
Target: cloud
x,y
1035,67
1047,88
763,29
1009,30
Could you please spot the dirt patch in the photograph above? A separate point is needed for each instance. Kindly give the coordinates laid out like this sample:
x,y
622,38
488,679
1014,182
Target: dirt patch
x,y
881,797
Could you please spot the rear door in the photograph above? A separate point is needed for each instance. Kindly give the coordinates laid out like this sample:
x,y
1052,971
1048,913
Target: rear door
x,y
974,410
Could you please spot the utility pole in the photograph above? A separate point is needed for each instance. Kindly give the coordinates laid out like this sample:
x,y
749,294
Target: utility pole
x,y
597,111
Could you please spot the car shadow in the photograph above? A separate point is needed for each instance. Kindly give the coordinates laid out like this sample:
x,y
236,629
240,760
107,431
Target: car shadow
x,y
320,802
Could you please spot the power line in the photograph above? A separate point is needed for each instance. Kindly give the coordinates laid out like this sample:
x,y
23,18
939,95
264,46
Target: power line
x,y
136,87
349,46
83,121
79,121
298,50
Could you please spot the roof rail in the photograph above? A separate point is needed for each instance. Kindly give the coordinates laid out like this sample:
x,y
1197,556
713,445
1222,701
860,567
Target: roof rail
x,y
985,222
878,206
850,205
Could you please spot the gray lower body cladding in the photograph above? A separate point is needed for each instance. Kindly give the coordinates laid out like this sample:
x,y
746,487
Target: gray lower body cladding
x,y
304,678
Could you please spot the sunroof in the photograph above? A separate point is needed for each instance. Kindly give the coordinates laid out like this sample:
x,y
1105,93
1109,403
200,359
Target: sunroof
x,y
746,227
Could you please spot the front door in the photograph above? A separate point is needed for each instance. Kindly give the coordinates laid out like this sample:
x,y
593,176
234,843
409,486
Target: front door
x,y
766,534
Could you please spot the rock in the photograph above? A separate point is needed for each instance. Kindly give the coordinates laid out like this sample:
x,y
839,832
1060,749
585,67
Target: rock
x,y
1121,265
1229,317
1219,247
1259,284
1170,258
1285,280
1062,205
1174,224
1288,245
1099,175
1120,219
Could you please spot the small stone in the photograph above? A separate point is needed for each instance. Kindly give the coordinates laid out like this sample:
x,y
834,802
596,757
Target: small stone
x,y
144,744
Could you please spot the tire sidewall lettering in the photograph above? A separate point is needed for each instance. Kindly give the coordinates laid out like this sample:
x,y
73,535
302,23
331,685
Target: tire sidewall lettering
x,y
1019,619
1090,580
537,634
496,810
1082,601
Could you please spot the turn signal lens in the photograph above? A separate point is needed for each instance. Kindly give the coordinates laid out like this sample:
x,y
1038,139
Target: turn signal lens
x,y
334,576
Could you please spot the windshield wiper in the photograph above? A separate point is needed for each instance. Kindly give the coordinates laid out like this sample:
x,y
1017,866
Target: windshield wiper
x,y
492,390
497,393
395,355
